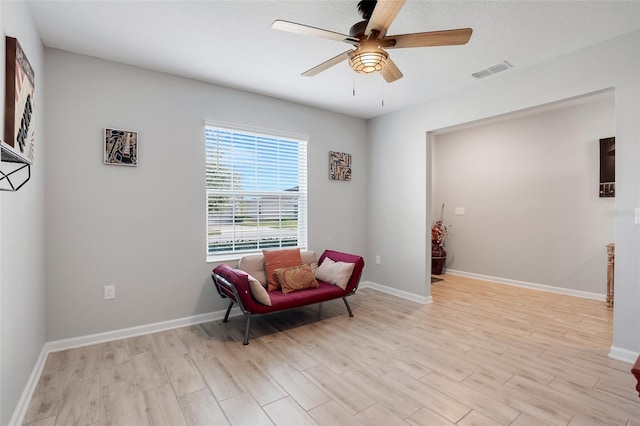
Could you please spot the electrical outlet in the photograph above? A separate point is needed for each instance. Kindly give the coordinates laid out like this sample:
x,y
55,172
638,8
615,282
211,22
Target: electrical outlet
x,y
377,259
109,292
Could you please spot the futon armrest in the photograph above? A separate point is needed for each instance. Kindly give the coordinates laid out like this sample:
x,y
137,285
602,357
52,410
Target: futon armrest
x,y
635,370
233,284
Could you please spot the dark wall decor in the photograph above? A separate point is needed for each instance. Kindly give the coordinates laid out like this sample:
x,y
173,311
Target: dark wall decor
x,y
19,102
608,167
339,166
120,147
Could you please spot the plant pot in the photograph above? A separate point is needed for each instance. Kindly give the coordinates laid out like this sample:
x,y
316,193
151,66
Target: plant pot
x,y
438,258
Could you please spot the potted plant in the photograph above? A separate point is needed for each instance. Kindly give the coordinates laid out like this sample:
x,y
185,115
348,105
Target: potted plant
x,y
438,253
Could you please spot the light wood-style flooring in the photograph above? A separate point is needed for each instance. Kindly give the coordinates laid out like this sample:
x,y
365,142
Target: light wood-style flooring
x,y
480,354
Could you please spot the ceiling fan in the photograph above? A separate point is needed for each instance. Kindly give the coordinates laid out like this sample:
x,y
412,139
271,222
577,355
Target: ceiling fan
x,y
369,39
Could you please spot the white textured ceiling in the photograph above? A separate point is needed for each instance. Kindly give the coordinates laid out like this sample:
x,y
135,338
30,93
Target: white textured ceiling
x,y
231,43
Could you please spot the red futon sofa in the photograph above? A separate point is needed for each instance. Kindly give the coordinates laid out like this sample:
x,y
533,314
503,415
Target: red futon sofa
x,y
239,285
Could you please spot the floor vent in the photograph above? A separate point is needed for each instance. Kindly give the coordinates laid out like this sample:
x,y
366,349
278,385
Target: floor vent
x,y
493,69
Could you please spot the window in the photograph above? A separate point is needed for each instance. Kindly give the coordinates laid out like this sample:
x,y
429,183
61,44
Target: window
x,y
256,191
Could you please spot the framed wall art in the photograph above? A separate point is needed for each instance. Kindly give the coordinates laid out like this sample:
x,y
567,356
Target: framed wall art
x,y
339,166
607,168
19,100
120,147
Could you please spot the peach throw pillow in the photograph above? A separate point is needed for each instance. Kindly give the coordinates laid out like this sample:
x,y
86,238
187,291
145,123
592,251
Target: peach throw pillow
x,y
296,278
274,259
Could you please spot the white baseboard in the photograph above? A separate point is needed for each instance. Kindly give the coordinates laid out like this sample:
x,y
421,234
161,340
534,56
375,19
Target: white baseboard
x,y
542,287
623,354
27,393
614,353
92,339
396,292
76,342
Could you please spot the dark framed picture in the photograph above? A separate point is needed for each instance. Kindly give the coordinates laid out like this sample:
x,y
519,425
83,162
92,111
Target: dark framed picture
x,y
339,166
19,132
120,147
607,168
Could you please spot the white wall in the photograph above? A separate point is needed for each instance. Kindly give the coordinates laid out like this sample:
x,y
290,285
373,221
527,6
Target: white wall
x,y
529,186
22,263
400,160
143,228
397,211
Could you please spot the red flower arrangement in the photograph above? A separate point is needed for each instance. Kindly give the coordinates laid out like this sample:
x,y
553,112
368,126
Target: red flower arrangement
x,y
438,231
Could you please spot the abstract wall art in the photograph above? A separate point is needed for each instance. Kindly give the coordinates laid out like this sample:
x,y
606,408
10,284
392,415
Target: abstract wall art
x,y
339,166
120,147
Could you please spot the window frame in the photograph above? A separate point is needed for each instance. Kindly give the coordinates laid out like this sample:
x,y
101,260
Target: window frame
x,y
303,166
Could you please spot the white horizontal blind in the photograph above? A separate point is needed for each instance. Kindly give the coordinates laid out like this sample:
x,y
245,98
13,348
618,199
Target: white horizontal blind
x,y
256,191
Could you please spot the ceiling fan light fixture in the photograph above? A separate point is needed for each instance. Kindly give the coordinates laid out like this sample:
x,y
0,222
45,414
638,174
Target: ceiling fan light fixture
x,y
368,39
369,61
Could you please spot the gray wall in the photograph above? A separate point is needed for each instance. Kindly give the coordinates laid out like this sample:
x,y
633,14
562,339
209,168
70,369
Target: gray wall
x,y
22,263
529,186
400,161
143,228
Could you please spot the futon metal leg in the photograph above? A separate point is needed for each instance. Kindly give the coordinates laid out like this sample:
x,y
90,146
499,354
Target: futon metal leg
x,y
226,316
246,331
346,303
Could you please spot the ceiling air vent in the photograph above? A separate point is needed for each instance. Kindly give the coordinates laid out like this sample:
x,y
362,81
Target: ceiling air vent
x,y
504,65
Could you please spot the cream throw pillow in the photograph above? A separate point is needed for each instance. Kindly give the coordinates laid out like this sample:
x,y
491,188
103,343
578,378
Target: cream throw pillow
x,y
314,266
336,273
258,291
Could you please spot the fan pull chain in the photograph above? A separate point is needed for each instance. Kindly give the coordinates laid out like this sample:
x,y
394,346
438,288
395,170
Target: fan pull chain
x,y
353,75
382,95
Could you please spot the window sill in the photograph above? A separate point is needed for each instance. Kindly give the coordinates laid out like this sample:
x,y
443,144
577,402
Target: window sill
x,y
237,256
218,258
226,257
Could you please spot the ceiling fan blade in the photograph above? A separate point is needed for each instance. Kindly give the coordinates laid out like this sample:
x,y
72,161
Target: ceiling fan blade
x,y
383,15
391,72
432,38
293,27
327,64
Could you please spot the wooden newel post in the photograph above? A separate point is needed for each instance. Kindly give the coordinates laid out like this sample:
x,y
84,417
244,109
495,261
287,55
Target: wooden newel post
x,y
611,248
